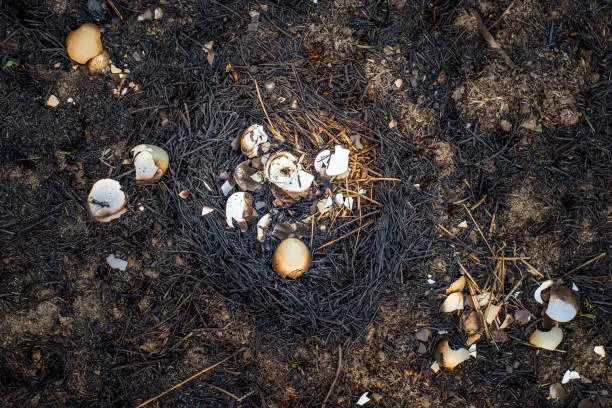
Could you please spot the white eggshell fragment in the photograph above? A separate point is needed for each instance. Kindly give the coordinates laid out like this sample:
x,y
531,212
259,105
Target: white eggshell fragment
x,y
116,263
364,399
262,227
333,164
570,375
538,292
252,139
562,305
150,163
449,358
453,302
600,351
548,340
239,210
284,171
106,200
207,210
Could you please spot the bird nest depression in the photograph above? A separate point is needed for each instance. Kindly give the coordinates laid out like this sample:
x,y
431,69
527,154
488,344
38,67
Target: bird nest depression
x,y
298,220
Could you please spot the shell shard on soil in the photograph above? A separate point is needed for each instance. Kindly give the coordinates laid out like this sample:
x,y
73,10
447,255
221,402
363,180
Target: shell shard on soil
x,y
348,203
243,175
522,316
456,286
600,351
281,168
252,139
453,302
570,375
334,164
473,351
84,43
324,205
239,210
226,188
116,263
364,399
99,64
557,392
207,210
435,367
548,340
291,258
472,322
423,335
284,171
339,199
106,200
562,305
538,292
492,312
449,358
150,162
473,339
262,227
508,320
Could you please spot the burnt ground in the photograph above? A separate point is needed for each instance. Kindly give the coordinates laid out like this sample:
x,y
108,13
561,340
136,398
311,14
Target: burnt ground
x,y
522,155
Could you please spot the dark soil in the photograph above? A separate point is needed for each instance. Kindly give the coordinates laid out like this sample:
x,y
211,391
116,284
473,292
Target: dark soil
x,y
523,156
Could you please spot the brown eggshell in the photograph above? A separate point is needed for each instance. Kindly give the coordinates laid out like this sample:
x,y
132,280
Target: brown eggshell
x,y
84,43
291,258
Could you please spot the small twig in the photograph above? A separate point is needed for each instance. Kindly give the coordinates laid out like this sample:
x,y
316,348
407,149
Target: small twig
x,y
532,269
478,228
345,235
504,14
193,377
504,258
229,394
331,388
587,263
274,130
513,289
450,234
112,5
484,31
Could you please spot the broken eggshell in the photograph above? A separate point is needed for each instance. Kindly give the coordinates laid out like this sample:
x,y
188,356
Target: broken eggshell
x,y
538,292
150,163
472,322
548,340
243,177
449,358
456,286
99,64
453,302
284,171
239,210
562,305
291,258
262,227
84,43
252,139
333,164
508,320
106,200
